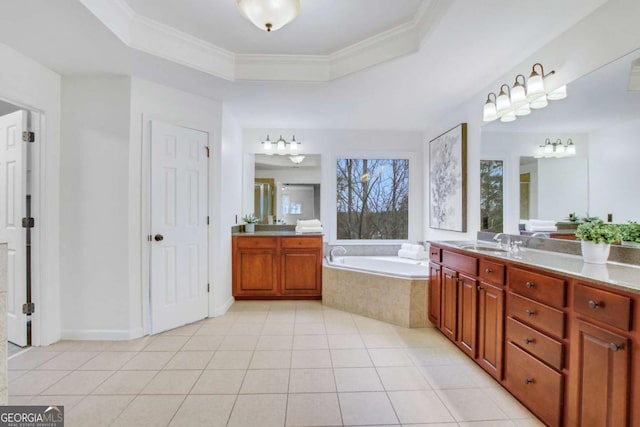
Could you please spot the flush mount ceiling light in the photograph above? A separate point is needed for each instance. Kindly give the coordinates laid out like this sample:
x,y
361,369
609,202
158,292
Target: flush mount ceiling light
x,y
297,159
523,96
282,147
269,15
555,149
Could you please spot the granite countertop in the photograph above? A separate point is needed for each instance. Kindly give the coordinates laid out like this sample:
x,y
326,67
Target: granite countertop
x,y
274,233
625,277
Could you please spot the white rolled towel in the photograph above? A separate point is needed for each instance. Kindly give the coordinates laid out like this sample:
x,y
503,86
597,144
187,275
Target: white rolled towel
x,y
541,223
309,223
539,228
412,248
308,229
404,253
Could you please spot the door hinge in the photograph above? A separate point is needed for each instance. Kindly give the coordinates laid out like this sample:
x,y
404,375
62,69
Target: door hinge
x,y
207,219
206,148
208,287
28,308
28,222
28,136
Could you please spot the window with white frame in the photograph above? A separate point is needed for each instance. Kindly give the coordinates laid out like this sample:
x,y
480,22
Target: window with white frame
x,y
372,199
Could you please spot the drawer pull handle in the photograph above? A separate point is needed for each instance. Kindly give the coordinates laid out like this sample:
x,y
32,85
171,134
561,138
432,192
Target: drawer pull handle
x,y
488,271
615,347
528,381
530,285
529,340
594,304
530,312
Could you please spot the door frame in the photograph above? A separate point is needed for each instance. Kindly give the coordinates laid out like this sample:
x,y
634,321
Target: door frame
x,y
145,209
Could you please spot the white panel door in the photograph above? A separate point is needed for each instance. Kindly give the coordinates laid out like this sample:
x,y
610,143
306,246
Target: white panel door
x,y
13,206
179,169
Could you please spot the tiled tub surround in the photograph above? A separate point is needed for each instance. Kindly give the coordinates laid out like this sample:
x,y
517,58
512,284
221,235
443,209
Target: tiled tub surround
x,y
396,300
267,363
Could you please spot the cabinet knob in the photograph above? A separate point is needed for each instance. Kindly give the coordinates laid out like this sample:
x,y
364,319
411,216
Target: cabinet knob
x,y
488,271
530,285
479,288
615,347
529,340
594,304
530,312
528,381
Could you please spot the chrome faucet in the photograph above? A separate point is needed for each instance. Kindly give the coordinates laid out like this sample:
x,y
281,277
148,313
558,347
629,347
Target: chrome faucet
x,y
535,235
498,238
344,252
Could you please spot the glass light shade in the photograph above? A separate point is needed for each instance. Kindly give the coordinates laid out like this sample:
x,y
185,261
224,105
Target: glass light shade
x,y
490,113
503,102
269,15
548,148
539,152
535,85
560,93
539,102
524,110
571,149
267,144
518,94
280,146
293,145
508,117
560,149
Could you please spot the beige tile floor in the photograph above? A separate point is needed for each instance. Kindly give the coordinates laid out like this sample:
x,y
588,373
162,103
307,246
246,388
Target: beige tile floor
x,y
282,363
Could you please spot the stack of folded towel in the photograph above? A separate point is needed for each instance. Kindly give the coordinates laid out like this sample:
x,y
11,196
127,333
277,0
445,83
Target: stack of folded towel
x,y
309,226
412,251
536,225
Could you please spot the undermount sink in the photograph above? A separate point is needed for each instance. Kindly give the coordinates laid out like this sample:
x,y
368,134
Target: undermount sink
x,y
484,249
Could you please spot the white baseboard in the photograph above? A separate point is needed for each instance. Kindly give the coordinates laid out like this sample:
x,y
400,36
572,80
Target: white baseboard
x,y
102,334
220,310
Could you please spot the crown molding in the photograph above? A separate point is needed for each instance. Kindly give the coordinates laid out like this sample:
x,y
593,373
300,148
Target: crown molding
x,y
155,38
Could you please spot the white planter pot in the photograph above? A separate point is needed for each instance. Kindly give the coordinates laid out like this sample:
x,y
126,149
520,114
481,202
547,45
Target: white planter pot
x,y
249,228
595,253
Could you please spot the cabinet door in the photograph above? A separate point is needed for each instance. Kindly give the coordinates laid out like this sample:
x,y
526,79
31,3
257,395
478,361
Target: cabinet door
x,y
256,273
435,283
448,318
490,329
467,314
301,273
600,375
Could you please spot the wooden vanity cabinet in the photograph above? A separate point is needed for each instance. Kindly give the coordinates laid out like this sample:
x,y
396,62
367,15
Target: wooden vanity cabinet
x,y
435,285
273,267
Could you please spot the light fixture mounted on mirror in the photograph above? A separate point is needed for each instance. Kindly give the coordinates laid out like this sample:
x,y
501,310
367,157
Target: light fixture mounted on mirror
x,y
524,95
269,15
280,146
555,149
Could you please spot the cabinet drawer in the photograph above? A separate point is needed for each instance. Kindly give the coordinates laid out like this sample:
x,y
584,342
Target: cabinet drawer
x,y
256,242
461,263
435,254
492,272
539,287
536,385
301,242
532,341
603,306
540,316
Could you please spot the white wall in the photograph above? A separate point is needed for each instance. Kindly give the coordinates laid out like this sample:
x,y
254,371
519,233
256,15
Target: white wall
x,y
615,190
30,85
561,186
94,218
607,34
334,144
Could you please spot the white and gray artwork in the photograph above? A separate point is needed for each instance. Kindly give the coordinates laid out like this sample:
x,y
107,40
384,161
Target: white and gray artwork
x,y
447,186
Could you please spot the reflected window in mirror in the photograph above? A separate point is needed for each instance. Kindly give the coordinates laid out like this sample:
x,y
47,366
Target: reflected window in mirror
x,y
372,199
491,195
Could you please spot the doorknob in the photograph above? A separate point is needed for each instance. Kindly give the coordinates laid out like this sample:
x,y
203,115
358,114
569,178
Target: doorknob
x,y
158,237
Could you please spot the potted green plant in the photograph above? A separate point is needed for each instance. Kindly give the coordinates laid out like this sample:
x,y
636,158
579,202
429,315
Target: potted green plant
x,y
596,238
630,234
250,221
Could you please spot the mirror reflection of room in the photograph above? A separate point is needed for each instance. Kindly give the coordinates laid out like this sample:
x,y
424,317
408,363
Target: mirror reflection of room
x,y
545,182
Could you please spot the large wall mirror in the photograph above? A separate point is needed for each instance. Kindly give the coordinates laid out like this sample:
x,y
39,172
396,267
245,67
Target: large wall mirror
x,y
601,116
285,191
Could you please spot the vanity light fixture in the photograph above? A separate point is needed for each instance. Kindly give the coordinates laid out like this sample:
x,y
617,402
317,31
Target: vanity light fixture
x,y
269,15
524,95
555,149
280,146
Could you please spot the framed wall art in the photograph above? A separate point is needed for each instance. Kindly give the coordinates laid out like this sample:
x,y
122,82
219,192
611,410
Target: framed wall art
x,y
448,180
